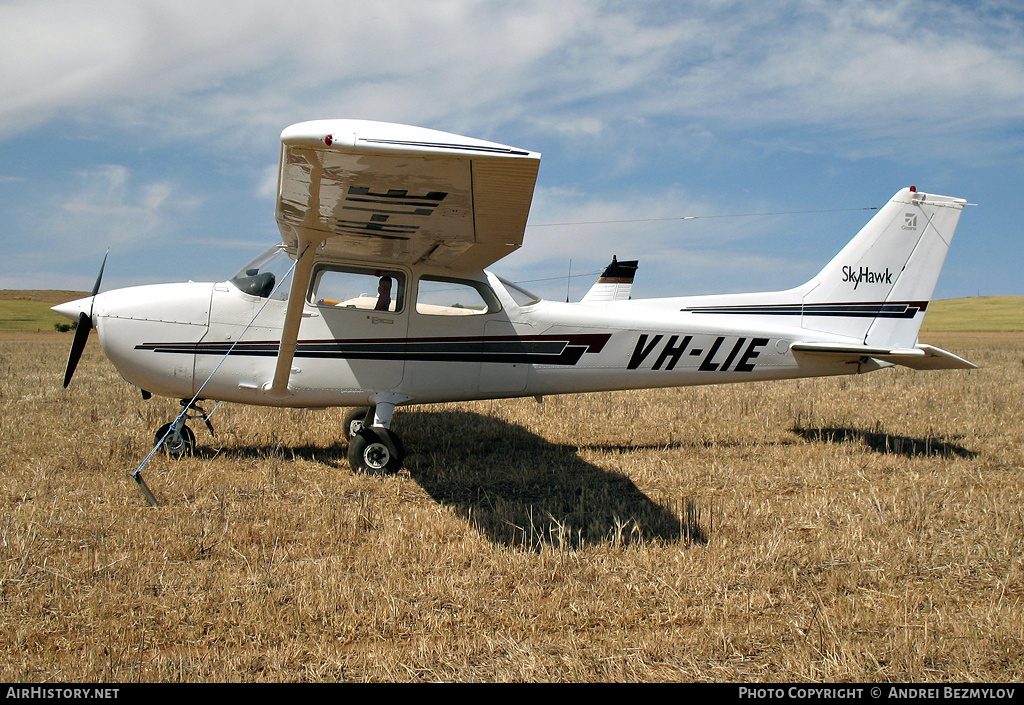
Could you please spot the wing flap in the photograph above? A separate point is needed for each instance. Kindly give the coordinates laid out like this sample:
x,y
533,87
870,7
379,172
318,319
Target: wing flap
x,y
920,357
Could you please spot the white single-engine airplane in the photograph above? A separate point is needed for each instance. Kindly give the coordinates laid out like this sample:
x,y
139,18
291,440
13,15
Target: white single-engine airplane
x,y
377,297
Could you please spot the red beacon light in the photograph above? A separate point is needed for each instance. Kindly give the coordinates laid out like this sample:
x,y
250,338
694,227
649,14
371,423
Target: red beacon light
x,y
328,140
913,189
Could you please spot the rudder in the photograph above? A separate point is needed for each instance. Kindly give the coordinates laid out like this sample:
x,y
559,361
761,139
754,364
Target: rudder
x,y
878,287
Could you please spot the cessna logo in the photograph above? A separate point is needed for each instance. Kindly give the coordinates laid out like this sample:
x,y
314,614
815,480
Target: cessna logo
x,y
910,221
866,276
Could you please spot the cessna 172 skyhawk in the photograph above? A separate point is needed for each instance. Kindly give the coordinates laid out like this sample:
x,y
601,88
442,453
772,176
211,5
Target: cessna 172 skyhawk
x,y
377,297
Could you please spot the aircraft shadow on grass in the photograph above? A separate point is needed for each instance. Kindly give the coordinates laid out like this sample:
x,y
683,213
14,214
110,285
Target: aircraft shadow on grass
x,y
515,487
887,442
334,455
519,489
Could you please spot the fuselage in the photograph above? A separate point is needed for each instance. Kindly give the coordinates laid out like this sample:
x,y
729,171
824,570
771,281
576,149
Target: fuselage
x,y
218,341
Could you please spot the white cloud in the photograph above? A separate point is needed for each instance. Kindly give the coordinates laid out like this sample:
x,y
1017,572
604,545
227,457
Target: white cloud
x,y
859,66
108,208
267,186
572,68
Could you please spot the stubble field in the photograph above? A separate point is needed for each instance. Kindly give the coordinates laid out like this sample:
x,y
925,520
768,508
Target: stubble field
x,y
861,528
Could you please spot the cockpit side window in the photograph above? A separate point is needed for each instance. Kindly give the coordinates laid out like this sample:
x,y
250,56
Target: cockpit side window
x,y
355,288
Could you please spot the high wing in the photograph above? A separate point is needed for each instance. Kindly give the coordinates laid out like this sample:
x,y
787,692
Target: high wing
x,y
386,193
383,193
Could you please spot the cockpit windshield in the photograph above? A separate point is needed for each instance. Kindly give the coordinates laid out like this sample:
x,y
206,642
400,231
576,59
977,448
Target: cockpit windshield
x,y
520,295
267,276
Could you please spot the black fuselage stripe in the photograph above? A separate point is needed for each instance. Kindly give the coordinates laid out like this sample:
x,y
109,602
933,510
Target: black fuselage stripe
x,y
565,350
896,309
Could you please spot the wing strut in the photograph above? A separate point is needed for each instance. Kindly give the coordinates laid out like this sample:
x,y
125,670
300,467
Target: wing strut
x,y
278,389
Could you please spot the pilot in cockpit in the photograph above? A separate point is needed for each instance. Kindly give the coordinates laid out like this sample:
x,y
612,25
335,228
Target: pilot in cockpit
x,y
383,294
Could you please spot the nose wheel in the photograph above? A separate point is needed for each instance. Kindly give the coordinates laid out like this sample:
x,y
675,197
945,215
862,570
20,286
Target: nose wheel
x,y
176,442
176,438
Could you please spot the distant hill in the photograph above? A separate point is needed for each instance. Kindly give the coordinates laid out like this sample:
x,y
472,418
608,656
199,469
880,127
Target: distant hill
x,y
29,310
975,313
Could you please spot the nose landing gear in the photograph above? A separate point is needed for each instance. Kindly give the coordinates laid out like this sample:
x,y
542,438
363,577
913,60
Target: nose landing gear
x,y
176,438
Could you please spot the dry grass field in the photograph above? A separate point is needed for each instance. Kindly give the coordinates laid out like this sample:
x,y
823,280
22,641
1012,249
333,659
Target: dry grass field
x,y
863,528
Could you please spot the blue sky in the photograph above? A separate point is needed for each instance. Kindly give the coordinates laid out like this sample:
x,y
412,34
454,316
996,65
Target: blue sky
x,y
151,128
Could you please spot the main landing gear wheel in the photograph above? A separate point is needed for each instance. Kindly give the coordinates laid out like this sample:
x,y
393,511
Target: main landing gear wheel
x,y
176,443
355,420
375,451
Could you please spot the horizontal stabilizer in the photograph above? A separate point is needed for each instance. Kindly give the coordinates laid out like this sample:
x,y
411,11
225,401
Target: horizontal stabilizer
x,y
920,357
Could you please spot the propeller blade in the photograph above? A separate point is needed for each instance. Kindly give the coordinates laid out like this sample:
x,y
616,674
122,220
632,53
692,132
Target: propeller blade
x,y
99,278
77,346
82,331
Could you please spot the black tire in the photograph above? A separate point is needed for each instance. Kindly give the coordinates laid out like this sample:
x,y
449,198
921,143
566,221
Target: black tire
x,y
354,422
176,445
375,451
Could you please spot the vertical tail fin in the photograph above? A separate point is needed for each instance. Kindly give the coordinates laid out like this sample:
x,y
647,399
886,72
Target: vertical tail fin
x,y
614,284
878,287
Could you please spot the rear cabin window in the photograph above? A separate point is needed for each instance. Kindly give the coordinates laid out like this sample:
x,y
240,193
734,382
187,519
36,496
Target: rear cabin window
x,y
437,296
362,289
520,295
